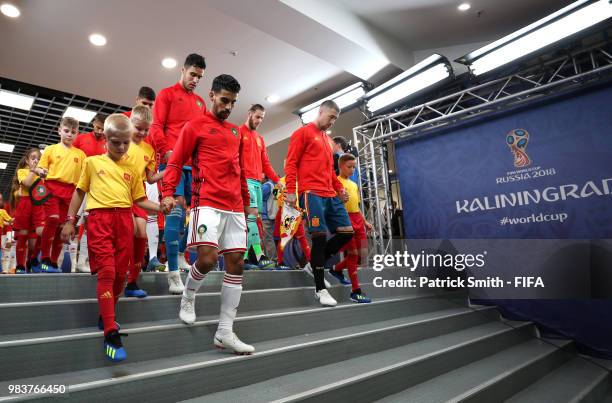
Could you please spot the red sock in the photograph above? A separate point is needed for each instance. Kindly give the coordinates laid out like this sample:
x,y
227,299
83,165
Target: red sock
x,y
140,244
343,264
260,227
305,247
352,270
118,285
106,299
279,252
57,247
36,250
21,249
51,224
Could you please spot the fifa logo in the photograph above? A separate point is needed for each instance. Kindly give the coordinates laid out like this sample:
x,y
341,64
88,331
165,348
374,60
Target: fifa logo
x,y
517,140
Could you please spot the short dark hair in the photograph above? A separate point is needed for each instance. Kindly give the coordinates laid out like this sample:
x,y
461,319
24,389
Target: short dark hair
x,y
330,104
146,93
257,107
195,60
346,158
225,82
100,117
341,141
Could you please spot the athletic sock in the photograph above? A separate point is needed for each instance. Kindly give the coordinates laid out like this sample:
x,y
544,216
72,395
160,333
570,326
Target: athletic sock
x,y
193,282
21,249
230,299
171,234
253,239
106,299
136,265
48,234
152,236
57,247
352,270
317,261
336,242
83,251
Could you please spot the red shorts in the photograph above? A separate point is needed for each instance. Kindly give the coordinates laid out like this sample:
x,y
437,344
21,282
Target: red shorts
x,y
60,200
27,215
139,212
359,240
110,237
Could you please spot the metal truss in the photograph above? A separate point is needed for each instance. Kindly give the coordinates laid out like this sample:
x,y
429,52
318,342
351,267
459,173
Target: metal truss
x,y
537,82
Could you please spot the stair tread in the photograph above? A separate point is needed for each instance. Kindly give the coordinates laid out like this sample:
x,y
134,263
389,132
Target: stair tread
x,y
570,380
300,382
270,346
176,320
461,380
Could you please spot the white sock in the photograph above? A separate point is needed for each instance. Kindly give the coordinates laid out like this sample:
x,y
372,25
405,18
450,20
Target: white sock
x,y
230,299
193,282
13,261
72,249
83,251
152,237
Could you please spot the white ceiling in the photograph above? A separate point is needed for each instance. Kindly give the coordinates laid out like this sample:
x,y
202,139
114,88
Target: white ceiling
x,y
298,49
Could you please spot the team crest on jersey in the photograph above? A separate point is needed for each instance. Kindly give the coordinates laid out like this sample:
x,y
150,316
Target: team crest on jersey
x,y
202,230
213,131
127,177
76,159
199,103
234,131
101,172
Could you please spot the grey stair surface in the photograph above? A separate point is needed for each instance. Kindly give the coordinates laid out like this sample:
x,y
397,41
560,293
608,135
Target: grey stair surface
x,y
409,345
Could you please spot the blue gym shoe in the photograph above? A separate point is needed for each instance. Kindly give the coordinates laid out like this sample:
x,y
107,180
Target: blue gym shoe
x,y
101,324
249,266
266,264
113,348
339,276
360,298
134,291
48,267
155,265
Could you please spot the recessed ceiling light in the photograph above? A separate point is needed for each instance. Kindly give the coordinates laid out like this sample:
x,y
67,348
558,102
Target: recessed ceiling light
x,y
328,132
464,7
272,98
169,63
390,171
97,39
7,148
10,10
2,165
82,115
15,100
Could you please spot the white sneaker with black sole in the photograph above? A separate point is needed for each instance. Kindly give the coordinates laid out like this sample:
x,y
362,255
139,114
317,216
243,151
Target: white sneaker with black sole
x,y
232,342
175,284
308,270
325,298
187,313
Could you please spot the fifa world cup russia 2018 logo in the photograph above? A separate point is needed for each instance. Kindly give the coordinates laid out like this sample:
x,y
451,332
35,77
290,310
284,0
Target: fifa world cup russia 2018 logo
x,y
517,140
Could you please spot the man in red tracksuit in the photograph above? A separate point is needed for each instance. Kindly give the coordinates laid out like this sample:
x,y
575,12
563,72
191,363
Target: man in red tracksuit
x,y
216,222
174,107
310,162
254,160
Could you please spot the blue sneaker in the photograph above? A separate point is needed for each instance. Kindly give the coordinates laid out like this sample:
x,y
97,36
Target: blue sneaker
x,y
266,264
339,276
132,290
47,267
360,298
249,266
101,324
155,265
113,348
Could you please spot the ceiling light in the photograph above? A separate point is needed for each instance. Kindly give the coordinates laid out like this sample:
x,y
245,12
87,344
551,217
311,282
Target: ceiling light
x,y
169,63
82,115
7,148
390,171
10,10
15,100
430,71
464,7
345,98
2,165
97,39
553,28
272,98
328,132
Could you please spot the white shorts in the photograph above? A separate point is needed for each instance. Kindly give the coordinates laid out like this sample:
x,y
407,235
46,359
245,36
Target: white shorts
x,y
224,230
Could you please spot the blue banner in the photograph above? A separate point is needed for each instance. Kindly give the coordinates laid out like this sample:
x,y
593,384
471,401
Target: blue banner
x,y
542,172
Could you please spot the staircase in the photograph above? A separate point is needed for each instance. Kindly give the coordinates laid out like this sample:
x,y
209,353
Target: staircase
x,y
407,346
